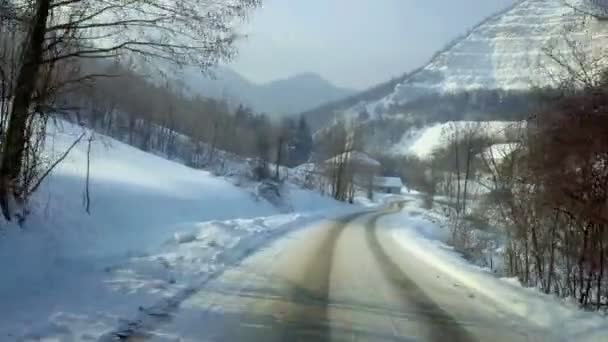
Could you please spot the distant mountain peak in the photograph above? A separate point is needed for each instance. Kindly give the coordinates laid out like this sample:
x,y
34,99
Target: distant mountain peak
x,y
309,75
291,95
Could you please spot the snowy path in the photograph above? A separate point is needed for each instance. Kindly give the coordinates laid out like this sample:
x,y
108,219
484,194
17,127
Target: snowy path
x,y
344,279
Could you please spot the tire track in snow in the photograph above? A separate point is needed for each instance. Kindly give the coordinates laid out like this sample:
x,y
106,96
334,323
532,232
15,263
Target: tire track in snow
x,y
317,276
442,327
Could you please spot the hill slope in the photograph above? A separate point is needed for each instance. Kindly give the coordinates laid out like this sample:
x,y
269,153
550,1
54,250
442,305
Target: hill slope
x,y
508,51
486,74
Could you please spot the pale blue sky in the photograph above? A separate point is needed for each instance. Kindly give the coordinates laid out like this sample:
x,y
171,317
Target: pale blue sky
x,y
352,43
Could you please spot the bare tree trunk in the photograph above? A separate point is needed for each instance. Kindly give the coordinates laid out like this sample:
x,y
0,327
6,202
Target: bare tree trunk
x,y
457,161
537,254
552,254
588,288
109,122
87,192
277,174
212,148
132,128
15,141
466,176
526,260
581,262
601,272
511,263
569,277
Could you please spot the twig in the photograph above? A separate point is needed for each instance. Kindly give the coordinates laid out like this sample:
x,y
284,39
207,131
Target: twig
x,y
59,160
87,194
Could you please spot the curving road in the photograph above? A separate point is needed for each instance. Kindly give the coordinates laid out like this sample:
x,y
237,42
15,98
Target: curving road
x,y
341,280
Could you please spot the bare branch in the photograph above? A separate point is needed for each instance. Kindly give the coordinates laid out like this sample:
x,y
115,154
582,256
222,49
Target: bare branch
x,y
55,163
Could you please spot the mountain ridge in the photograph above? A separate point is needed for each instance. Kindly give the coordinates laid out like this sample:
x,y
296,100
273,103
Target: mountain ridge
x,y
505,56
285,96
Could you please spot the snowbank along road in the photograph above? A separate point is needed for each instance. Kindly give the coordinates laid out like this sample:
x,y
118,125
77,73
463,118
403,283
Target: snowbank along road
x,y
344,279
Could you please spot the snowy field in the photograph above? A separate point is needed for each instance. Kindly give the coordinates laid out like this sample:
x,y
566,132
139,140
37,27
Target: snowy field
x,y
419,232
156,228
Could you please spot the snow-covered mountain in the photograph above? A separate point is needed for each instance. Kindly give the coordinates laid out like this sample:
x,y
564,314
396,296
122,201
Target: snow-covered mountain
x,y
509,52
291,95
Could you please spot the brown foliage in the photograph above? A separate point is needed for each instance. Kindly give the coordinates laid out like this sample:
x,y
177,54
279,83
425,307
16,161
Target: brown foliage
x,y
569,155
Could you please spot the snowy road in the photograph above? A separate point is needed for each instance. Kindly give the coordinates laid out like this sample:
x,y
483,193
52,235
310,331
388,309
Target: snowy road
x,y
345,279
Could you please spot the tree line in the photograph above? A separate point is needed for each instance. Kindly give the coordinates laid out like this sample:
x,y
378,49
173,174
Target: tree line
x,y
160,117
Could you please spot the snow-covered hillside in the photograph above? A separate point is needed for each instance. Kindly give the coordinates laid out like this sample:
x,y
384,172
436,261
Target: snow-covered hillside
x,y
70,276
484,75
507,51
422,142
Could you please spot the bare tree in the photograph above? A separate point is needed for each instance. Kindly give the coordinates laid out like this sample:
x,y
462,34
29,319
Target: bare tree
x,y
459,160
341,168
62,32
550,194
282,133
575,60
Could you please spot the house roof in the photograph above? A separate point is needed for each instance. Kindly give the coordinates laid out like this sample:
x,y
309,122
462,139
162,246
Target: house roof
x,y
389,182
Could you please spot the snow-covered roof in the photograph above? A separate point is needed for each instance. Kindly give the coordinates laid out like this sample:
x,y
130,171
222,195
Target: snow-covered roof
x,y
356,157
388,182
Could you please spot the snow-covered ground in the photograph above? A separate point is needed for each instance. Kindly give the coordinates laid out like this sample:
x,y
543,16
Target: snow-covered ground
x,y
419,232
508,51
156,229
422,142
159,230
